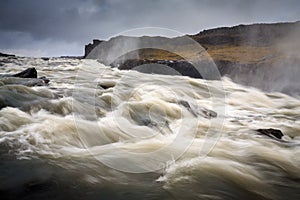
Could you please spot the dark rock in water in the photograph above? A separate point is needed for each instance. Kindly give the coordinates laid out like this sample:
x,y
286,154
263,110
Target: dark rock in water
x,y
30,82
187,106
184,103
27,73
107,86
148,122
271,133
45,79
27,77
45,58
209,113
203,111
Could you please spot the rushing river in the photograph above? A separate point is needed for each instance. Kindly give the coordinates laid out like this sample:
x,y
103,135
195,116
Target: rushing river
x,y
100,133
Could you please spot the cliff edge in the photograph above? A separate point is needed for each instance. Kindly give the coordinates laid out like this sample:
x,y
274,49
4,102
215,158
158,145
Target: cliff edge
x,y
260,55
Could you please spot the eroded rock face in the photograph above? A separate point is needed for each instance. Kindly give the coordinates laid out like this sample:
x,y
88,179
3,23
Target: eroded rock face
x,y
89,47
264,56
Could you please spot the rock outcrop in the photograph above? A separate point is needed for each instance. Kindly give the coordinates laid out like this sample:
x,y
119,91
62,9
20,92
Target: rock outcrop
x,y
259,55
222,43
89,47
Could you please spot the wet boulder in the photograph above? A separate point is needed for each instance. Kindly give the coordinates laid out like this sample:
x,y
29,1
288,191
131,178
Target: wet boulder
x,y
273,133
27,77
27,73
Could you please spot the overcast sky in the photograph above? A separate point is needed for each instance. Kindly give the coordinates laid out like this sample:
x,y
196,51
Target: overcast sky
x,y
63,27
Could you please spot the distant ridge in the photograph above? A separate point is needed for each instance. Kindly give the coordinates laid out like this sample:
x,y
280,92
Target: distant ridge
x,y
256,54
255,35
6,55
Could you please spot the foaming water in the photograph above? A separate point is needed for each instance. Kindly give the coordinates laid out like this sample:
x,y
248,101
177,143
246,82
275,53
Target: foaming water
x,y
100,133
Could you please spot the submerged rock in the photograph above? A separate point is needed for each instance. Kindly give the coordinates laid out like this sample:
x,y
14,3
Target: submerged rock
x,y
187,106
273,133
209,113
204,112
45,79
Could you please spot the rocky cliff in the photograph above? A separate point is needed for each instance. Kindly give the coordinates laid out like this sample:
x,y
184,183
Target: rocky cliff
x,y
89,47
261,55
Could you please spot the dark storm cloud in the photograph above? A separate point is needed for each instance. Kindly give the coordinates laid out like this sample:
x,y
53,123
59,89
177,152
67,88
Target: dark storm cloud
x,y
54,27
42,19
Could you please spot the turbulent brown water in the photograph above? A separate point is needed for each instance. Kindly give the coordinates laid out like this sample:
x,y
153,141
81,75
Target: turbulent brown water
x,y
100,133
